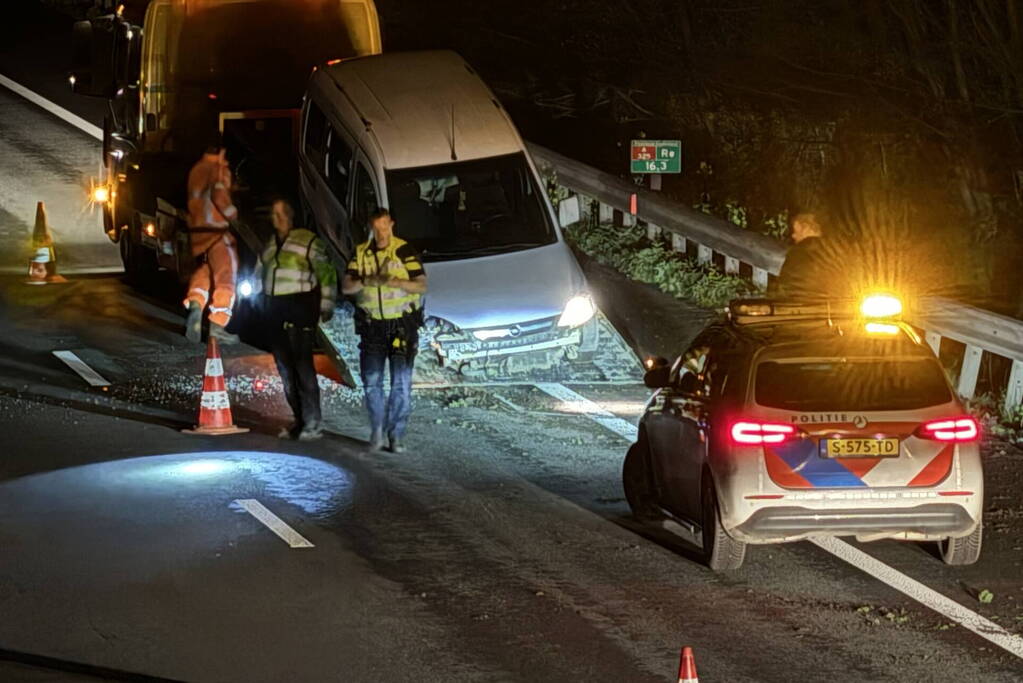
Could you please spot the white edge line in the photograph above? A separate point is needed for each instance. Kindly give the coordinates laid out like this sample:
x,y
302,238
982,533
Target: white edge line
x,y
55,109
622,428
274,523
985,628
72,360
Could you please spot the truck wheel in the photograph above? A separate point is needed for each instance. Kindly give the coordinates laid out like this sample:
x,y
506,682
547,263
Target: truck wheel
x,y
721,552
962,551
636,481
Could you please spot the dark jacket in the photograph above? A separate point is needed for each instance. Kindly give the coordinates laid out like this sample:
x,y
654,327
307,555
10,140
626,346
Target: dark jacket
x,y
806,273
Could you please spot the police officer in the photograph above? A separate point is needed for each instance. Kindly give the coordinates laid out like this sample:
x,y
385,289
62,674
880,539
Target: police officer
x,y
299,286
388,280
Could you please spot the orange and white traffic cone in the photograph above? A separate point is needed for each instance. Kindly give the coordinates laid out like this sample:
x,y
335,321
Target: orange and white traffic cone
x,y
687,667
42,267
214,406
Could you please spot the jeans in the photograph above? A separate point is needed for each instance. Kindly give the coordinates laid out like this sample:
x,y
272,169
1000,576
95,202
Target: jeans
x,y
387,416
293,321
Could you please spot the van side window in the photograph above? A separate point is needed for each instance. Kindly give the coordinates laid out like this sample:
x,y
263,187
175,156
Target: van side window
x,y
316,136
366,202
339,161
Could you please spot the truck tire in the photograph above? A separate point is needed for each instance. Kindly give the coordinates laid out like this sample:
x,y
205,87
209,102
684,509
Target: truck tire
x,y
639,490
721,552
962,551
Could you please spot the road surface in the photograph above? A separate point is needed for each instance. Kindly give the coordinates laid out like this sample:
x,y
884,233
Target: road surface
x,y
499,548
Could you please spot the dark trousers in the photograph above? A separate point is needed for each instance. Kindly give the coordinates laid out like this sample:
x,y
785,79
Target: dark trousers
x,y
293,319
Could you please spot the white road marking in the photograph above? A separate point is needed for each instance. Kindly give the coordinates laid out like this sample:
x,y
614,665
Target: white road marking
x,y
58,111
967,618
85,372
274,523
580,404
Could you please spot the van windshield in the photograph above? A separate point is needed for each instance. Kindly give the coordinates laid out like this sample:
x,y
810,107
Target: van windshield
x,y
470,208
851,384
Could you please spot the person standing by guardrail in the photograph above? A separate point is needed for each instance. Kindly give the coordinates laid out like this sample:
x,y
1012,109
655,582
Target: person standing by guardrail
x,y
804,273
210,212
387,277
299,284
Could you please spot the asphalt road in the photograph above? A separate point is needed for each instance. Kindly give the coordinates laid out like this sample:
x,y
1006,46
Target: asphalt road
x,y
499,548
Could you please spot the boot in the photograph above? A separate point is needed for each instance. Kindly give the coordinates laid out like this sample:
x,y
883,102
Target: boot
x,y
311,432
220,333
396,445
193,325
376,442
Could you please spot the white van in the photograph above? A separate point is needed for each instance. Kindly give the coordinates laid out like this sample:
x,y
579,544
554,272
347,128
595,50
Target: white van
x,y
420,134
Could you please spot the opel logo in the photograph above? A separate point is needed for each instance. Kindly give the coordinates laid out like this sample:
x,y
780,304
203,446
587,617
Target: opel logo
x,y
859,421
514,331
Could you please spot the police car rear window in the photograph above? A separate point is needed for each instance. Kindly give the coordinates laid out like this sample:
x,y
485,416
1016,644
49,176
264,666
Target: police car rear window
x,y
851,384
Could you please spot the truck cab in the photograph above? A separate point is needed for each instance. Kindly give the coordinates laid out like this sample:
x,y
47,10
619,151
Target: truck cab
x,y
192,68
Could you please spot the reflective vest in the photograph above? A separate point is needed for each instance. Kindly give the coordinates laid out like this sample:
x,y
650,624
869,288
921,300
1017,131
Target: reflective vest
x,y
397,259
209,194
299,265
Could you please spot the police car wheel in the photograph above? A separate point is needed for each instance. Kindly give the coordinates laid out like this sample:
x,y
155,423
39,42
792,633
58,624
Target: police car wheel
x,y
636,482
962,551
721,552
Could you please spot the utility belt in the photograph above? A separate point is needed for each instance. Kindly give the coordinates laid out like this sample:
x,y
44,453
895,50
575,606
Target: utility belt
x,y
394,336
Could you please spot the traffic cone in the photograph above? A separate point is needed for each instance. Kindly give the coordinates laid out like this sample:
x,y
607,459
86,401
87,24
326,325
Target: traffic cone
x,y
687,667
214,406
42,267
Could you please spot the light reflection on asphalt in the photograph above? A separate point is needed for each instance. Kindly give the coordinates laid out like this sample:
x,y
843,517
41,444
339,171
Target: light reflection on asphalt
x,y
318,488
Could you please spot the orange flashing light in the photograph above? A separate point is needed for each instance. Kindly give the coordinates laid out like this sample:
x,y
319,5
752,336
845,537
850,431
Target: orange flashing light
x,y
333,62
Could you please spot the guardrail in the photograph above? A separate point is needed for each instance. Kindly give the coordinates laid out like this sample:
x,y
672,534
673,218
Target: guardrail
x,y
758,257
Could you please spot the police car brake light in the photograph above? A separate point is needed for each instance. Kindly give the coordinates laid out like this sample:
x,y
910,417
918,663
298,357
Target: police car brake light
x,y
748,433
957,430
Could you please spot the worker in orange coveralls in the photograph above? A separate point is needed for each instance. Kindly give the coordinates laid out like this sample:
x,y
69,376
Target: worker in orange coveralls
x,y
210,213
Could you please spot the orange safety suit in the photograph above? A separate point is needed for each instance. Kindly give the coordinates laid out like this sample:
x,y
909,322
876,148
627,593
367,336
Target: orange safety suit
x,y
210,211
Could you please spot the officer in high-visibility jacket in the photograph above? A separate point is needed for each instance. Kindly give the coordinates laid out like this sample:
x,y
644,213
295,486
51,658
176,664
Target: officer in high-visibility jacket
x,y
387,277
299,285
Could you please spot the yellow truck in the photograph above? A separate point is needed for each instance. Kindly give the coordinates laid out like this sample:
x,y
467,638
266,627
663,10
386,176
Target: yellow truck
x,y
192,68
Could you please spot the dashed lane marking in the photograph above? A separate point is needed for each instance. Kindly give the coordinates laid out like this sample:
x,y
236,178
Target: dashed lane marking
x,y
274,523
985,628
55,109
84,371
576,403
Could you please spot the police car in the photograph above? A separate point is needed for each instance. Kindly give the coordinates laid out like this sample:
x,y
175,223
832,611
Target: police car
x,y
790,420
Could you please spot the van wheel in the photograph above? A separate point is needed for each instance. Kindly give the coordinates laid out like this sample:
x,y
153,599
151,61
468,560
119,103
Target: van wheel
x,y
962,551
721,552
636,481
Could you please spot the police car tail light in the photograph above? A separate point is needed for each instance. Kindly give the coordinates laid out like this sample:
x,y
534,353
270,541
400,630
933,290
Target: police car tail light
x,y
760,433
958,430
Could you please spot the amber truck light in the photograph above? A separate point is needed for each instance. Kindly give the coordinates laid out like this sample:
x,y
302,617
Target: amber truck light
x,y
759,433
957,430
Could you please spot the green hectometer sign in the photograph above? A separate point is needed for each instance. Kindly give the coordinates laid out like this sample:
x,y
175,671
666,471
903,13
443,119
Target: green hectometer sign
x,y
656,156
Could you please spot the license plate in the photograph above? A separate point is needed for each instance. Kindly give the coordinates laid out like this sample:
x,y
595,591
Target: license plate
x,y
860,448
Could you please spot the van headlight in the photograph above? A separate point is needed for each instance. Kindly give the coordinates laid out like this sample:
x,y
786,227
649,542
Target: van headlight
x,y
578,311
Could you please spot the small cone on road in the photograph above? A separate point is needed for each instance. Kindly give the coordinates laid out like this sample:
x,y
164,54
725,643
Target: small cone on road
x,y
42,266
687,667
214,406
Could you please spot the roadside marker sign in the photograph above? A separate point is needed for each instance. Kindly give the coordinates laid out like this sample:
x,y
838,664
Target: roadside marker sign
x,y
655,156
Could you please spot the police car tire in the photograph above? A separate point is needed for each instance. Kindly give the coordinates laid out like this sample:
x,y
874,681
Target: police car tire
x,y
962,551
722,553
636,481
